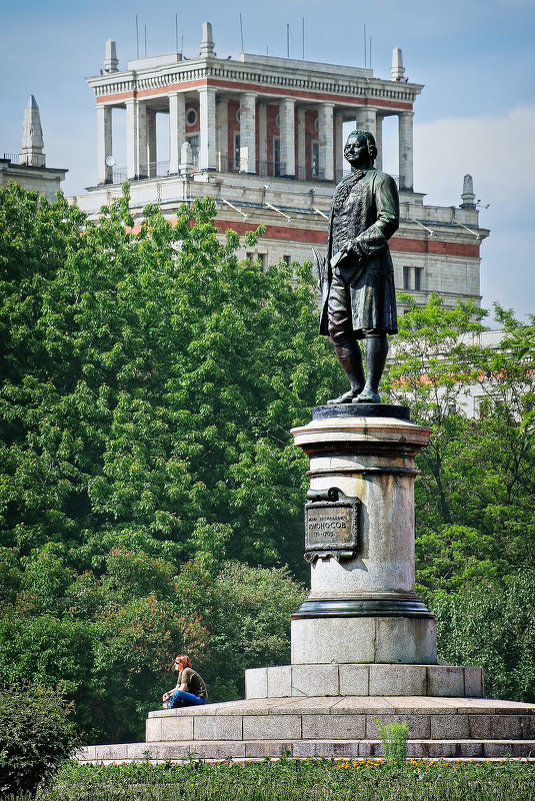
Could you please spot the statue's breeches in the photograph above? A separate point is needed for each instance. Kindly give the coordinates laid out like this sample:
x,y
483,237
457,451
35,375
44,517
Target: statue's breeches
x,y
366,307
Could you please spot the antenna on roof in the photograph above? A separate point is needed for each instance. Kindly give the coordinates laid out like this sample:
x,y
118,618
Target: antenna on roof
x,y
287,40
365,60
241,34
370,52
137,38
176,32
145,41
303,38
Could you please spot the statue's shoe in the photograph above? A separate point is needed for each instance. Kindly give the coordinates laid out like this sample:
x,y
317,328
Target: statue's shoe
x,y
367,397
348,397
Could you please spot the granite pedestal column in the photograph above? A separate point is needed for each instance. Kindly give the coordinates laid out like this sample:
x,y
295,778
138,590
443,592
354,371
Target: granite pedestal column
x,y
359,539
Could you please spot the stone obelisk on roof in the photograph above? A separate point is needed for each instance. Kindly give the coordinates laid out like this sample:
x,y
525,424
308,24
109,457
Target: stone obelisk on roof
x,y
32,136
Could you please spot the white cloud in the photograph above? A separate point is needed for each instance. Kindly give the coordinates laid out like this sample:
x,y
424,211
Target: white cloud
x,y
499,154
497,151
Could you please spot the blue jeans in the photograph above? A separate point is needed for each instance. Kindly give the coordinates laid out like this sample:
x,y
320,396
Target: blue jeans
x,y
182,698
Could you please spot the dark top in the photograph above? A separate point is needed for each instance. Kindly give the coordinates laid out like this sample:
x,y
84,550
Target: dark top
x,y
194,683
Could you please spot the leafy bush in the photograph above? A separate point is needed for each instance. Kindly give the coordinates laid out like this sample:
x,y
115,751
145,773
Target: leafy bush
x,y
36,736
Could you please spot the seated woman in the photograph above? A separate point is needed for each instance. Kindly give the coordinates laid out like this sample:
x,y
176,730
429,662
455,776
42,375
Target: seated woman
x,y
190,688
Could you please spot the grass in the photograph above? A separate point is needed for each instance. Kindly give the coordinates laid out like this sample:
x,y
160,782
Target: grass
x,y
316,779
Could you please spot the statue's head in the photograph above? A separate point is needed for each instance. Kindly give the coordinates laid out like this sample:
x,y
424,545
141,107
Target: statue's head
x,y
361,136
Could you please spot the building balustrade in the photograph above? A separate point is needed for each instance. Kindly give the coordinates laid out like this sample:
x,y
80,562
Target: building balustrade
x,y
264,169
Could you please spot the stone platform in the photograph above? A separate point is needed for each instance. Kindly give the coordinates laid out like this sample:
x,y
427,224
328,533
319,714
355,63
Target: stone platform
x,y
330,727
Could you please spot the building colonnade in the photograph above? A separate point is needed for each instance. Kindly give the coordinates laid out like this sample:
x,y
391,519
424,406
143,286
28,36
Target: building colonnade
x,y
252,143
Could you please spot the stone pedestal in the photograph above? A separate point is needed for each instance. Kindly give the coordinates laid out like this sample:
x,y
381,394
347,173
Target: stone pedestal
x,y
362,607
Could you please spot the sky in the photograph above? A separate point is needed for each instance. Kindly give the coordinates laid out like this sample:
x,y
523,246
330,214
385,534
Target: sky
x,y
476,113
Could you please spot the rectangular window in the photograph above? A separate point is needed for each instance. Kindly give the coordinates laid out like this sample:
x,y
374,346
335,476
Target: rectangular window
x,y
413,278
194,144
482,407
315,160
287,260
276,156
260,259
236,151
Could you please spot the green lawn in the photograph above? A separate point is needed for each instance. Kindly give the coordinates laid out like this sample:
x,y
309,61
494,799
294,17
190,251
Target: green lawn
x,y
361,780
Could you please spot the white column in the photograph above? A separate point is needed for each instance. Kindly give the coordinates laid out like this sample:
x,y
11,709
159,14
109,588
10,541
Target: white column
x,y
177,129
152,154
326,141
248,132
132,160
207,148
222,134
262,138
379,142
142,148
366,119
338,145
287,136
136,139
104,144
405,150
301,144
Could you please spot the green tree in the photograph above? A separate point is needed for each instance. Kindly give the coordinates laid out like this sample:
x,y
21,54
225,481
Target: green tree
x,y
480,626
149,383
151,380
475,488
250,620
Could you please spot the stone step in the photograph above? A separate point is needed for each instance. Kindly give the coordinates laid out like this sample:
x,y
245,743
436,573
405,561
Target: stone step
x,y
330,727
349,718
259,749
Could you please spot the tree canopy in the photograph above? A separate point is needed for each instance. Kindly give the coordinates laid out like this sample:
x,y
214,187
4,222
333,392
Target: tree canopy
x,y
150,381
474,496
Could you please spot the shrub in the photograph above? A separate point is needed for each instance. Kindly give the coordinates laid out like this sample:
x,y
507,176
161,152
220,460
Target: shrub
x,y
394,738
36,736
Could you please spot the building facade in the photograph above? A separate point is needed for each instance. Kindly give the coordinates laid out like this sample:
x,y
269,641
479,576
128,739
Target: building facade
x,y
264,137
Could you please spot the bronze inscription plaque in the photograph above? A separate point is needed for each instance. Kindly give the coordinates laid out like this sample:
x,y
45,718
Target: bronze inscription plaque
x,y
331,526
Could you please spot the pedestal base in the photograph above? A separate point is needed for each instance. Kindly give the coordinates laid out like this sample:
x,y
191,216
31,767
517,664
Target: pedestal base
x,y
296,681
391,640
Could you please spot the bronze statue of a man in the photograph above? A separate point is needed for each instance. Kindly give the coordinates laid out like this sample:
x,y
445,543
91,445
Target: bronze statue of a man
x,y
358,294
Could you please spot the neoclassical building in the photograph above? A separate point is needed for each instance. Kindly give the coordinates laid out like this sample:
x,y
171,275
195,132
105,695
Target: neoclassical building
x,y
263,136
